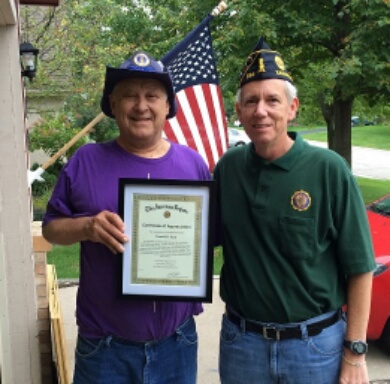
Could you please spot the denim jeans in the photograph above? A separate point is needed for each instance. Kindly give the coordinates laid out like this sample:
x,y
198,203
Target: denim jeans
x,y
113,361
247,357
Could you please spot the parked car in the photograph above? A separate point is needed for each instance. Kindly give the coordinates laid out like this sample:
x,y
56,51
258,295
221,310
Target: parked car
x,y
356,120
379,324
237,137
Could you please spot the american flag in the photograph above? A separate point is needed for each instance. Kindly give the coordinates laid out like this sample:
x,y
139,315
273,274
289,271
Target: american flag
x,y
200,122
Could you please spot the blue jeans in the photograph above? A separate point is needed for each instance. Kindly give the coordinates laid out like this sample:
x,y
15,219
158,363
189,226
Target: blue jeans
x,y
113,361
247,357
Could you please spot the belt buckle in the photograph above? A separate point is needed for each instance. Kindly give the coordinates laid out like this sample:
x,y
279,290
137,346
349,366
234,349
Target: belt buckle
x,y
277,333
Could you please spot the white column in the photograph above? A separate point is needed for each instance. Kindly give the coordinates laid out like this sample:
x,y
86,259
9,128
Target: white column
x,y
19,346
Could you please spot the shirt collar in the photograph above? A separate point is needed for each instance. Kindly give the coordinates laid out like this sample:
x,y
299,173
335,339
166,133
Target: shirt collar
x,y
285,162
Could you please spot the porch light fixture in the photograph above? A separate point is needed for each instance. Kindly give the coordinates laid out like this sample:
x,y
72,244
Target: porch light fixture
x,y
28,59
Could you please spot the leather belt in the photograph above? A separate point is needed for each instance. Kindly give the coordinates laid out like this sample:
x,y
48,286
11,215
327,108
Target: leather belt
x,y
276,333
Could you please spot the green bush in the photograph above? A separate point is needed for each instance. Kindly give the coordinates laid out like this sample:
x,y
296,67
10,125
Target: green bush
x,y
82,107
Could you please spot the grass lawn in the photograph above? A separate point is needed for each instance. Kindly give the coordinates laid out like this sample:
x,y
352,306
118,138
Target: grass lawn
x,y
66,260
362,136
373,189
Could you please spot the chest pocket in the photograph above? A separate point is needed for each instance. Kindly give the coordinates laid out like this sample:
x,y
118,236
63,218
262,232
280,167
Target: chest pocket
x,y
297,237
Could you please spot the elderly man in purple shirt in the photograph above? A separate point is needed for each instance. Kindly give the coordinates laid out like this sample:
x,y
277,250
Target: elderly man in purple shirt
x,y
120,340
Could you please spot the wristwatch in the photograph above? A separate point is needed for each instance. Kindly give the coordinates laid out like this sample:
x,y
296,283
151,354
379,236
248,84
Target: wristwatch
x,y
358,347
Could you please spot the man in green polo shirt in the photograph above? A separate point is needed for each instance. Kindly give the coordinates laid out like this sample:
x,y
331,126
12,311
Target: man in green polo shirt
x,y
296,246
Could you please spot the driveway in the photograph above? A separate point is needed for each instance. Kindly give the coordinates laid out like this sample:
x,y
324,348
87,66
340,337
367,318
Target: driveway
x,y
366,162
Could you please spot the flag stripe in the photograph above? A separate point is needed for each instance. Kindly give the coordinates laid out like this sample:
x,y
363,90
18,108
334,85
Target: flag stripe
x,y
200,122
221,126
197,103
189,116
203,95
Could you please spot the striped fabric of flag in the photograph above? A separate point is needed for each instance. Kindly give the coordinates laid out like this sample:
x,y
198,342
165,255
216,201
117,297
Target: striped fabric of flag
x,y
200,122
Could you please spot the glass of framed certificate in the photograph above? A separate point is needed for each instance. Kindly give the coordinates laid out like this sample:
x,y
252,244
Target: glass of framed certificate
x,y
170,226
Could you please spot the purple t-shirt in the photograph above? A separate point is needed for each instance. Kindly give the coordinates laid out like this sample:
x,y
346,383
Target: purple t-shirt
x,y
87,185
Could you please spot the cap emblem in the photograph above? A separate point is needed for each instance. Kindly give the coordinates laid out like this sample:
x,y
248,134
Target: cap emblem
x,y
141,59
279,63
261,65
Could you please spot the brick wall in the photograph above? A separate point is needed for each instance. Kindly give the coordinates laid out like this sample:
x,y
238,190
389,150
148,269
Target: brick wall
x,y
41,247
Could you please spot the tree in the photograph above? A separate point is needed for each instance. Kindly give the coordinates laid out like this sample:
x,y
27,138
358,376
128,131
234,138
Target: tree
x,y
343,42
336,49
76,42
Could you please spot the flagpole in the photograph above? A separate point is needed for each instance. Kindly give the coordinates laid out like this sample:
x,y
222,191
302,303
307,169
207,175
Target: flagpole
x,y
36,174
219,9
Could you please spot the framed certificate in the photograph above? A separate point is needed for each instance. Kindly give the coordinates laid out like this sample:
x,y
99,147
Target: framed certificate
x,y
170,226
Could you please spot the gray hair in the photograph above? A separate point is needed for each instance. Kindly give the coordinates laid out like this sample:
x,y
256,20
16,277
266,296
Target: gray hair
x,y
291,92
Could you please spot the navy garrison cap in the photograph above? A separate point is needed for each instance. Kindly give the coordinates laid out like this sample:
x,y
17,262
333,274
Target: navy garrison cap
x,y
263,63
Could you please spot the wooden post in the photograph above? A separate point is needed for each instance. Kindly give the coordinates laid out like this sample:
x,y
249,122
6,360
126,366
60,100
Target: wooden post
x,y
59,340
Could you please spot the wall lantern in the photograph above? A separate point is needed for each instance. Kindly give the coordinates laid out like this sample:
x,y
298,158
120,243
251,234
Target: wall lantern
x,y
28,59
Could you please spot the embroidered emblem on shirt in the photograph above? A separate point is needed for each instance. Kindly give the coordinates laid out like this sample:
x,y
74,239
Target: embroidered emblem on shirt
x,y
301,200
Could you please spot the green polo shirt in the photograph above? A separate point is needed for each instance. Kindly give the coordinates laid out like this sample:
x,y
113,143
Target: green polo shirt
x,y
291,230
